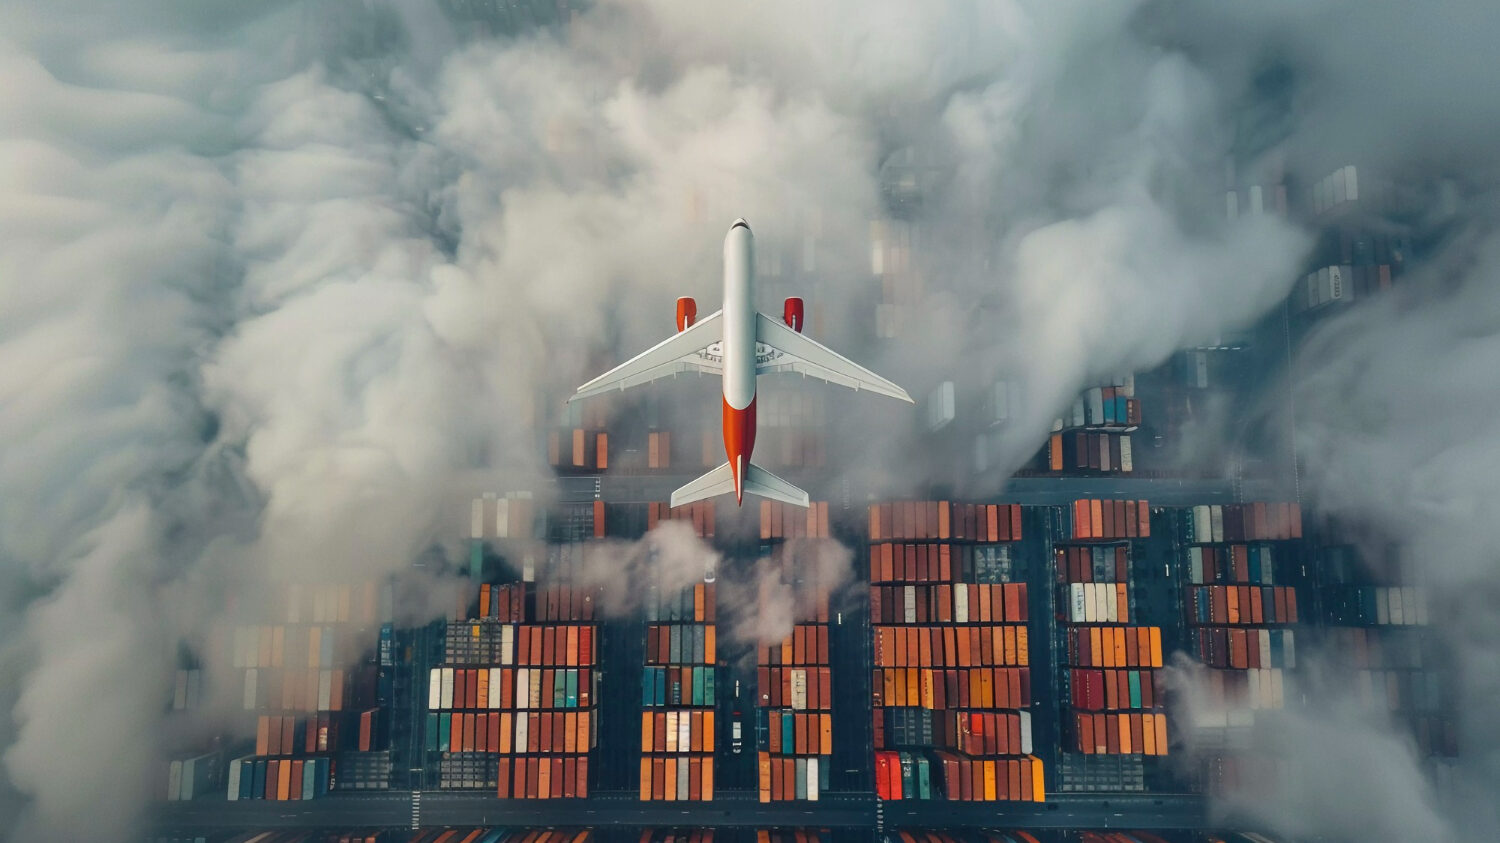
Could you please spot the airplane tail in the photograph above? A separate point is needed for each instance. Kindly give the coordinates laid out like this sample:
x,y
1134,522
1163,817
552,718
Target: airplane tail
x,y
758,481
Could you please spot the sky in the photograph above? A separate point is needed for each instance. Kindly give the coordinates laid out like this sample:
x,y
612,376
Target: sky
x,y
282,285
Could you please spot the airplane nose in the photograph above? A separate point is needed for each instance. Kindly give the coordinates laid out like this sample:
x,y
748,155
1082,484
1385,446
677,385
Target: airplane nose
x,y
738,223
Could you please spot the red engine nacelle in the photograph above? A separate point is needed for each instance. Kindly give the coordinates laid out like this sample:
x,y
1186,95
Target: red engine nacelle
x,y
791,313
687,313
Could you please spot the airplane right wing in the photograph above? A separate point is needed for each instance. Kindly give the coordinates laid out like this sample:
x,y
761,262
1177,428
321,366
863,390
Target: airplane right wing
x,y
789,351
687,351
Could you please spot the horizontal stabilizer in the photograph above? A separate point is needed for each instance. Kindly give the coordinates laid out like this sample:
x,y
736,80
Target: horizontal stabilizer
x,y
758,481
720,481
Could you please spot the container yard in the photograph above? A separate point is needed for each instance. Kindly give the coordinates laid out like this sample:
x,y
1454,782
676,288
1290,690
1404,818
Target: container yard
x,y
1007,647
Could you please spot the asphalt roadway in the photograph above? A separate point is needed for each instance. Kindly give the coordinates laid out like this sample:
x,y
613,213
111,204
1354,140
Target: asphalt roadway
x,y
436,809
1028,491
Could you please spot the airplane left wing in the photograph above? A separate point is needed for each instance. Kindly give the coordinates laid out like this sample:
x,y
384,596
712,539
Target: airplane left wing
x,y
789,351
688,351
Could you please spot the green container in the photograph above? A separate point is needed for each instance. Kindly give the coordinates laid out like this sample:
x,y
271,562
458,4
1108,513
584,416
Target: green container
x,y
1135,689
924,778
444,736
572,698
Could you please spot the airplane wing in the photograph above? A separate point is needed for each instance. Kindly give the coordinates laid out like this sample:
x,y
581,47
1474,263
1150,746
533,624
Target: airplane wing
x,y
688,351
789,351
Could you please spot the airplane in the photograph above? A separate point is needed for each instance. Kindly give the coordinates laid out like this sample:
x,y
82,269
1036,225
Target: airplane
x,y
739,344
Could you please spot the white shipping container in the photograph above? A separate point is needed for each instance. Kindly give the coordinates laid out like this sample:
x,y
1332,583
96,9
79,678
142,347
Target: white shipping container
x,y
492,700
1096,405
1397,616
476,519
1382,607
1025,732
523,734
507,644
909,604
1079,416
325,690
1216,522
1257,205
940,409
684,733
1127,462
960,605
174,781
446,700
1203,530
799,690
236,770
812,779
1288,649
1079,603
1264,643
1111,602
1195,565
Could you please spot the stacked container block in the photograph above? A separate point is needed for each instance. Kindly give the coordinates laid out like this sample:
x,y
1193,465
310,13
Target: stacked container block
x,y
1389,658
512,706
312,686
790,425
1239,616
1113,681
1094,436
678,692
951,685
1112,684
794,719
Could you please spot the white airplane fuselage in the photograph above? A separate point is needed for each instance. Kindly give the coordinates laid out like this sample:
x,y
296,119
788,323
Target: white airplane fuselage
x,y
739,350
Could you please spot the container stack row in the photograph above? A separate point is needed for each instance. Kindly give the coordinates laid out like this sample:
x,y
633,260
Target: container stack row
x,y
1240,616
1094,436
678,694
790,428
578,450
699,514
1376,624
313,685
511,706
794,696
951,686
1113,685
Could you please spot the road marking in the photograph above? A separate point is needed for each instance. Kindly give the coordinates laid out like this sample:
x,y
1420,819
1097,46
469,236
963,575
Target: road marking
x,y
416,810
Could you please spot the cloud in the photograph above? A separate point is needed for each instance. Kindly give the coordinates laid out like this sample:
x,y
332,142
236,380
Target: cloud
x,y
281,286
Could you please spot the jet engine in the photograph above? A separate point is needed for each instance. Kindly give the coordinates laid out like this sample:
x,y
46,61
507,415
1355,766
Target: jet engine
x,y
687,313
791,313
